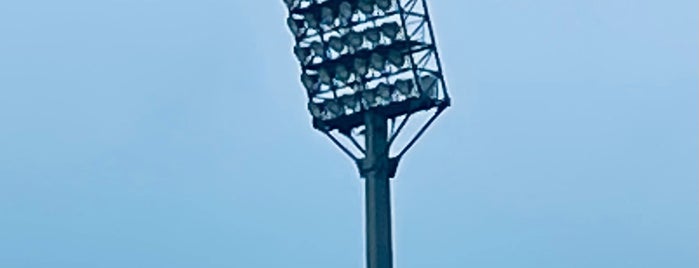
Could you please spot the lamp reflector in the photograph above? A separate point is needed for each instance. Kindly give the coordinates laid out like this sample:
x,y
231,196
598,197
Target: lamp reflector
x,y
318,49
295,26
316,109
302,54
349,102
360,67
354,39
403,86
373,35
324,76
366,6
291,3
384,5
341,73
345,11
384,92
336,44
334,108
396,58
390,30
309,82
326,16
369,98
429,85
377,62
311,20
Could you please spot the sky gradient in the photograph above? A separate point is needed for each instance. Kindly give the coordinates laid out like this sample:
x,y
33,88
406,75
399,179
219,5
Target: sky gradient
x,y
153,133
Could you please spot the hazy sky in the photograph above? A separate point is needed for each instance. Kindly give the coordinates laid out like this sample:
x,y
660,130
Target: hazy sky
x,y
153,133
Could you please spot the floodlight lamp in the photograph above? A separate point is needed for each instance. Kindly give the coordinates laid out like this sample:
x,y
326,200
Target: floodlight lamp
x,y
309,82
302,54
369,98
345,11
383,90
318,49
403,86
291,4
360,67
377,62
335,109
324,76
366,6
341,73
315,109
326,16
384,5
311,20
390,30
354,39
373,35
396,58
295,26
429,86
349,102
336,44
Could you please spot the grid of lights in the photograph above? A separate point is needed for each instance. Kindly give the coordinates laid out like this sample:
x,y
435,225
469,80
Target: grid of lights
x,y
360,55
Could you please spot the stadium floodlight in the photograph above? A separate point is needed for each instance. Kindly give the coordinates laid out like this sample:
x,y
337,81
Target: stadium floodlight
x,y
354,39
390,30
396,58
403,87
336,44
360,67
373,35
366,6
384,5
341,73
365,65
377,62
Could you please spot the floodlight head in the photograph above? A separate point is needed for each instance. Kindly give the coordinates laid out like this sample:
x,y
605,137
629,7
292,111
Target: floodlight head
x,y
366,57
291,4
311,20
326,16
302,54
396,58
369,97
384,5
360,67
324,76
345,11
373,35
404,87
383,90
309,82
429,84
336,44
335,109
341,73
390,30
377,62
316,109
354,40
318,49
349,102
295,26
366,6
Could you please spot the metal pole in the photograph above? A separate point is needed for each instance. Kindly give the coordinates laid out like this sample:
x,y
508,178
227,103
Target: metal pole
x,y
378,197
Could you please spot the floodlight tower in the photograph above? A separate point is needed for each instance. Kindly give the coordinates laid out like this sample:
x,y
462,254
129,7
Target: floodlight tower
x,y
367,65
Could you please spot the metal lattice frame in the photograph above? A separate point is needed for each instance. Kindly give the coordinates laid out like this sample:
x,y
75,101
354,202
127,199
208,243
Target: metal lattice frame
x,y
416,44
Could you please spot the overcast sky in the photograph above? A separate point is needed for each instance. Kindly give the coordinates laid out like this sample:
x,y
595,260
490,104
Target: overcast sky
x,y
153,133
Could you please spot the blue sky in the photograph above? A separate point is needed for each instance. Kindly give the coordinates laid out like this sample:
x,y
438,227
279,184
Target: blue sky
x,y
152,133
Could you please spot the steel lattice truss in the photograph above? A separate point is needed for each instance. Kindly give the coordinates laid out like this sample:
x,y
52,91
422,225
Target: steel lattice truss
x,y
367,55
